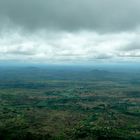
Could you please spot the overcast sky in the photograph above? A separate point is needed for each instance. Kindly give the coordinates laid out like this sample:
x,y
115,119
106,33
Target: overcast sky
x,y
57,31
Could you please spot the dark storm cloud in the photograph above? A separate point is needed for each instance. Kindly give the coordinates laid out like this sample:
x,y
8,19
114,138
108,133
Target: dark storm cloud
x,y
98,15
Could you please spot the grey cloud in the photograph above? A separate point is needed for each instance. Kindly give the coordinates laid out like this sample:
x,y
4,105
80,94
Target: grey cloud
x,y
103,56
132,55
98,15
133,46
19,52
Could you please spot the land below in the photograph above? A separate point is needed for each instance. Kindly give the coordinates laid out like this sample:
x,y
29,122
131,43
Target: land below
x,y
58,103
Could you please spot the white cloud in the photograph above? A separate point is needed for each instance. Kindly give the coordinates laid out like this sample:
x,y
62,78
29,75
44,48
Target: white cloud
x,y
49,46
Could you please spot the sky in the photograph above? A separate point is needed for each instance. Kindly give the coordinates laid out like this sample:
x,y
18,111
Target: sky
x,y
70,31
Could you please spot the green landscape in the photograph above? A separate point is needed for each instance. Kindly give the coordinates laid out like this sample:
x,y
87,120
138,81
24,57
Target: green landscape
x,y
69,103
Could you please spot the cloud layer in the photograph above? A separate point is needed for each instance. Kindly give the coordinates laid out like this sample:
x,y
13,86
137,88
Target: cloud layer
x,y
99,15
65,30
64,46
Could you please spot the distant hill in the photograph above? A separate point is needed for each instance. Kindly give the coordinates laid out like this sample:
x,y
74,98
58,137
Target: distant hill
x,y
97,71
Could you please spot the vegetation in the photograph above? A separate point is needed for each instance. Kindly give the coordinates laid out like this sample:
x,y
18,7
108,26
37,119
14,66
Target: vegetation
x,y
73,104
